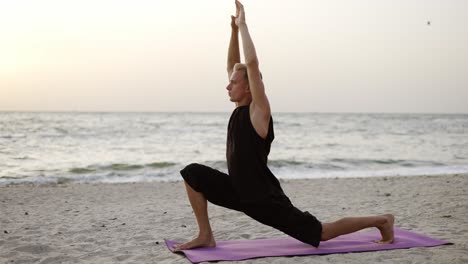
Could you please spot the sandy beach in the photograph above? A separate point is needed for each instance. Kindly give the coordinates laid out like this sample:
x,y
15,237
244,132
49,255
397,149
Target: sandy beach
x,y
127,223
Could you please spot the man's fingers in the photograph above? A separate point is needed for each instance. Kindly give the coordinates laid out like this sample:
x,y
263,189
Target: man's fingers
x,y
239,5
239,9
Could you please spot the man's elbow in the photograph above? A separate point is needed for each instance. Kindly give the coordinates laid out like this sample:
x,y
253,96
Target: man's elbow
x,y
230,66
252,63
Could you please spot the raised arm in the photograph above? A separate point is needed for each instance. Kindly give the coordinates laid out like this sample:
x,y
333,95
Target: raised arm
x,y
260,112
233,51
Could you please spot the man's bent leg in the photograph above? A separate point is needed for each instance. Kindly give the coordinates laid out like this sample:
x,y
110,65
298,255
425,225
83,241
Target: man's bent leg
x,y
200,208
204,183
352,224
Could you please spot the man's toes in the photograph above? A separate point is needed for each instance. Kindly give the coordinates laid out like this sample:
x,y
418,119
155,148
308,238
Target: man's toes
x,y
178,248
390,241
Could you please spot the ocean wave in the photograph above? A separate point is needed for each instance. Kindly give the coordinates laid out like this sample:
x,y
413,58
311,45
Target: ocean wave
x,y
81,170
294,164
120,167
13,136
399,162
285,163
161,164
61,130
22,158
12,177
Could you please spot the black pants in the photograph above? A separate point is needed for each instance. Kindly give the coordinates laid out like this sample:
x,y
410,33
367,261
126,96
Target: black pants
x,y
277,212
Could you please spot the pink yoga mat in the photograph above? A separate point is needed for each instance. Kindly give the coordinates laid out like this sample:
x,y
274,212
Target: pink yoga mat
x,y
287,246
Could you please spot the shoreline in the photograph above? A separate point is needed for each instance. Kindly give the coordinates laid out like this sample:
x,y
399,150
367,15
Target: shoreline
x,y
71,181
128,222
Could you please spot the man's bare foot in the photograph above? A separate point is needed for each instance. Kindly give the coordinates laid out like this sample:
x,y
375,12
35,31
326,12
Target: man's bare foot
x,y
200,241
387,230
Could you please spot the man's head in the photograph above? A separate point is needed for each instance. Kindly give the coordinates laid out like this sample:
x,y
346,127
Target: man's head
x,y
243,68
238,86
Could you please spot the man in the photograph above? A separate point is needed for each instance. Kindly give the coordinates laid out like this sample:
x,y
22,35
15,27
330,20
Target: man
x,y
250,186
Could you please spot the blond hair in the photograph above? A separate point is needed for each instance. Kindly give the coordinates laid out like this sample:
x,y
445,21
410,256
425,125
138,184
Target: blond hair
x,y
242,67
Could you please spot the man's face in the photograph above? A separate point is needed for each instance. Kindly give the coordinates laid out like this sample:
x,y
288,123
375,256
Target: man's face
x,y
238,87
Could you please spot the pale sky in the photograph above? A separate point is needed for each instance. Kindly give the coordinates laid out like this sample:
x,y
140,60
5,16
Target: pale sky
x,y
315,56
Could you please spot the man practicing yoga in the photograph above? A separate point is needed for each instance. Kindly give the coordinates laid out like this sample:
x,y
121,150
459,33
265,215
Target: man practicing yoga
x,y
250,186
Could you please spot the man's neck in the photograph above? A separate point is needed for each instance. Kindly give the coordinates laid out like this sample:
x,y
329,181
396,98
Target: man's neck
x,y
243,103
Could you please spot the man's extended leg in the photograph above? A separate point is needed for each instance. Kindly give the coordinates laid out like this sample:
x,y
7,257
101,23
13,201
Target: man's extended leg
x,y
352,224
301,225
200,208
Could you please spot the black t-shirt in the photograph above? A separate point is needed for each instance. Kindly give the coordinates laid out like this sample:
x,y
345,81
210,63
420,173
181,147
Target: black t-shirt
x,y
247,157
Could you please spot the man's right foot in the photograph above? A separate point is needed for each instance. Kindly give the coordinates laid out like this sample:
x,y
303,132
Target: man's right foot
x,y
386,230
198,242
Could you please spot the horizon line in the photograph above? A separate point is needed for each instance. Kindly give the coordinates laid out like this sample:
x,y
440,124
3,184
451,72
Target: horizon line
x,y
215,112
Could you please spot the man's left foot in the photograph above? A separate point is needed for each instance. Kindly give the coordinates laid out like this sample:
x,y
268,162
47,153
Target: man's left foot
x,y
198,242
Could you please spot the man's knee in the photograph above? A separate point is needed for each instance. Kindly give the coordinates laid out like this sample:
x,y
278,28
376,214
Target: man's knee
x,y
191,174
191,170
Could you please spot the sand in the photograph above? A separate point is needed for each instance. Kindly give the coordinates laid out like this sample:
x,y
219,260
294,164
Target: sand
x,y
127,223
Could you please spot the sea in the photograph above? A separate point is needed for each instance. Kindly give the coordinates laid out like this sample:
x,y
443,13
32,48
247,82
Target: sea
x,y
112,147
